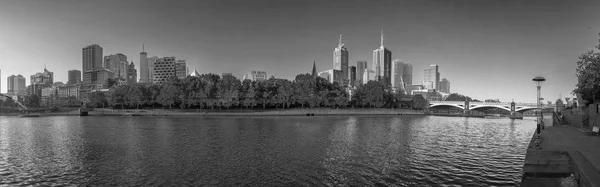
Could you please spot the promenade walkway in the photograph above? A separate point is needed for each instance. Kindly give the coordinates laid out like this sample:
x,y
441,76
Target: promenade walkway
x,y
562,149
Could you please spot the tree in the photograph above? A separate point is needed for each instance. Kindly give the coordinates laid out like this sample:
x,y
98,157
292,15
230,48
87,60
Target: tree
x,y
588,75
33,101
457,97
168,95
419,102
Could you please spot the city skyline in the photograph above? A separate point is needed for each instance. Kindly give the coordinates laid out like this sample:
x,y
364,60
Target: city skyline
x,y
484,37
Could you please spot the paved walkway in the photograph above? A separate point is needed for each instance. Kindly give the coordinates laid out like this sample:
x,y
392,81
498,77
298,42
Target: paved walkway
x,y
577,145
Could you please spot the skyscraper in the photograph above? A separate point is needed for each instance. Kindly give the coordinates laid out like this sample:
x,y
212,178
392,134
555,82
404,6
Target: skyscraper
x,y
131,74
151,62
431,77
181,69
340,60
16,84
382,63
74,77
407,73
397,75
352,75
144,68
92,59
164,68
117,64
361,67
445,85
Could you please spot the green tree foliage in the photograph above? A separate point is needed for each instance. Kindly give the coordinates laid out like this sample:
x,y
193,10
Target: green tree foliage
x,y
419,102
458,97
588,75
210,91
32,101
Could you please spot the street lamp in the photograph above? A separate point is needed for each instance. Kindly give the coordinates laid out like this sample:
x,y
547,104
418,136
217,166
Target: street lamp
x,y
538,81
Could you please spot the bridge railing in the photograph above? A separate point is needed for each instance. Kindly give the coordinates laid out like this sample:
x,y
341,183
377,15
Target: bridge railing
x,y
484,103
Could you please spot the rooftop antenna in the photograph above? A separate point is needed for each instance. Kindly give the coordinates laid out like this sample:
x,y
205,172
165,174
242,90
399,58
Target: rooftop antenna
x,y
381,37
143,49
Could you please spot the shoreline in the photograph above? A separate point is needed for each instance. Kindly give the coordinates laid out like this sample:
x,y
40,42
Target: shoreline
x,y
281,112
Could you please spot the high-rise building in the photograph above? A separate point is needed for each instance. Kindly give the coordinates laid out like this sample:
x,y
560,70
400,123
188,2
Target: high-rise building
x,y
431,78
256,76
331,75
340,61
16,85
99,78
117,64
144,67
181,69
407,73
151,62
45,77
352,75
397,75
131,74
164,68
445,85
74,77
361,67
92,59
369,75
382,64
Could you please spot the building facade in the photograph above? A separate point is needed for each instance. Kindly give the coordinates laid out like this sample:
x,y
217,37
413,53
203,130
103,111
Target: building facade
x,y
74,77
117,64
361,67
382,64
163,69
151,62
144,68
45,77
431,78
181,70
67,91
16,85
92,57
131,74
256,76
369,75
407,73
340,61
332,75
352,75
411,88
445,85
397,75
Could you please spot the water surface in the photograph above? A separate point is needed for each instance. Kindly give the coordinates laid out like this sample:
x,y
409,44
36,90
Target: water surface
x,y
263,151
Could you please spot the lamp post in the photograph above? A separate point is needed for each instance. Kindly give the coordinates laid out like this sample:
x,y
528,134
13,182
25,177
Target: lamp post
x,y
538,81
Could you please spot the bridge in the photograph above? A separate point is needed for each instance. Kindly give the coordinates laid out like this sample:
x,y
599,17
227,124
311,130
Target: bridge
x,y
466,105
5,98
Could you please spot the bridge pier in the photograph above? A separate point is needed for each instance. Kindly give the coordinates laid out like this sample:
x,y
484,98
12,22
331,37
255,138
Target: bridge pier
x,y
513,113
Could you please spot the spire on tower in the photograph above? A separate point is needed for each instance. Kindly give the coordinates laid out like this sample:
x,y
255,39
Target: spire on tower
x,y
340,44
143,50
381,37
314,70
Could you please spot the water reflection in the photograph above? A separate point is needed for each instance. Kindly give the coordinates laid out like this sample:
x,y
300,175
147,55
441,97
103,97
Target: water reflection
x,y
262,151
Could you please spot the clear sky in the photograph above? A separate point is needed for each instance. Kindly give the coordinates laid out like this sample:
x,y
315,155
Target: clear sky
x,y
486,49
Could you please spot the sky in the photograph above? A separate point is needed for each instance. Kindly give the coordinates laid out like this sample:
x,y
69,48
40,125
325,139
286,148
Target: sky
x,y
486,49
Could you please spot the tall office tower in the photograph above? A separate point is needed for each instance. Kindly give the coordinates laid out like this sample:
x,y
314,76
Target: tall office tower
x,y
16,84
397,75
352,75
74,77
368,75
117,64
256,76
445,85
181,69
361,67
92,59
40,81
340,61
382,63
407,73
144,68
431,77
164,68
131,74
151,62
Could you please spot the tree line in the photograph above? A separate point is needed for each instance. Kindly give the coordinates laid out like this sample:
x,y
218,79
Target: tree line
x,y
211,91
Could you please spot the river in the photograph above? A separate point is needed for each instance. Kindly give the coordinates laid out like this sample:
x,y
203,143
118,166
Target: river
x,y
263,151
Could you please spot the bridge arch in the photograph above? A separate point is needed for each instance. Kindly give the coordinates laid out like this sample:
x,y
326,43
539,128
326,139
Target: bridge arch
x,y
525,109
490,106
444,104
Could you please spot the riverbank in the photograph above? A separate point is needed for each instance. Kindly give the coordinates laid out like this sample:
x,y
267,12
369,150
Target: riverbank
x,y
239,112
562,154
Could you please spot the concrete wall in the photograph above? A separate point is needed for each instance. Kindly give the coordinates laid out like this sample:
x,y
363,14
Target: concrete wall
x,y
573,117
594,113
